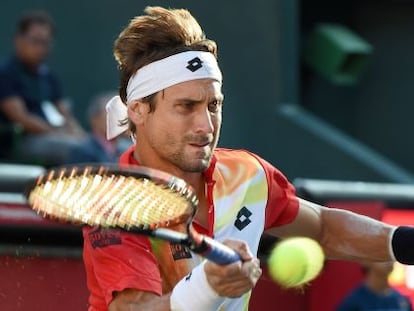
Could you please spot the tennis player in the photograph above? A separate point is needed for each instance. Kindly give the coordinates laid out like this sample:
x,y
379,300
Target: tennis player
x,y
171,102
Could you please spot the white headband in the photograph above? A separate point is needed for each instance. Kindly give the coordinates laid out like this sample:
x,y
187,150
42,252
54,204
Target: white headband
x,y
157,76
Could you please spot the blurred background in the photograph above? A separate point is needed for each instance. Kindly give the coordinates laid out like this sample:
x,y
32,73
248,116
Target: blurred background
x,y
261,50
322,90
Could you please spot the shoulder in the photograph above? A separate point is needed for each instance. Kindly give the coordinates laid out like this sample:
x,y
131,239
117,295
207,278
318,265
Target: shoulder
x,y
7,68
353,299
246,159
400,300
9,79
360,290
237,163
400,296
240,156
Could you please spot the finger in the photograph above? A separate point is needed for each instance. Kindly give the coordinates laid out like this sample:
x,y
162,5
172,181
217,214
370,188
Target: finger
x,y
252,269
237,287
235,281
229,271
249,272
241,248
235,271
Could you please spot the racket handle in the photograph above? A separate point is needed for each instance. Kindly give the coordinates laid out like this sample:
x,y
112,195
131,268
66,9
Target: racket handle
x,y
200,244
217,252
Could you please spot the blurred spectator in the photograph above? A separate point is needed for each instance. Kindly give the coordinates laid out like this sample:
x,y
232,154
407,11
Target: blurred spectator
x,y
96,148
375,293
31,96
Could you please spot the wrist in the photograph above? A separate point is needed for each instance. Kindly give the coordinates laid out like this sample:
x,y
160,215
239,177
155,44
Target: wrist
x,y
193,292
401,242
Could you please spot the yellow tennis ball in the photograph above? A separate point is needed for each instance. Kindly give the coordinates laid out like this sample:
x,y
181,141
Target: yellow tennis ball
x,y
295,261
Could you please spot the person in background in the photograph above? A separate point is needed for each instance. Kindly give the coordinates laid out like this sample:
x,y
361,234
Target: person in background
x,y
31,95
96,148
375,292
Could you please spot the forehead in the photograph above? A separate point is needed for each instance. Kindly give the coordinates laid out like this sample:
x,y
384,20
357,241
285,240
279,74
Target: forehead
x,y
197,90
39,29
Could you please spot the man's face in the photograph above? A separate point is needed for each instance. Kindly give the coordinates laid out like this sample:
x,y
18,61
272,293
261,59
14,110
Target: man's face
x,y
184,128
33,46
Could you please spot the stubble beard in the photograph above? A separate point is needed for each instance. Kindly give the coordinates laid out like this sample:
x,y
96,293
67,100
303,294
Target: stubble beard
x,y
191,165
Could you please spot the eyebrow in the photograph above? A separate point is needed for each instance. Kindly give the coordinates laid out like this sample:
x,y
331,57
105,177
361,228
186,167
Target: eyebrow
x,y
219,98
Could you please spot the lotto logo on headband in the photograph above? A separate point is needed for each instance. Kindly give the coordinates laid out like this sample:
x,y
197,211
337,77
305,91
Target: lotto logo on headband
x,y
194,64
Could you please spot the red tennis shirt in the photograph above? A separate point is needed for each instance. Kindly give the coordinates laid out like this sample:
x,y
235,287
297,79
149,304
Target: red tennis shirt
x,y
246,195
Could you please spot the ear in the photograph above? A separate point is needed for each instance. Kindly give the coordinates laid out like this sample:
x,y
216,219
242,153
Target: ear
x,y
138,111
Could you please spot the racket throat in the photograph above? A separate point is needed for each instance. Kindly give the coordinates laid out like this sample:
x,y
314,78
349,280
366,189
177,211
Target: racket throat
x,y
171,236
194,241
197,243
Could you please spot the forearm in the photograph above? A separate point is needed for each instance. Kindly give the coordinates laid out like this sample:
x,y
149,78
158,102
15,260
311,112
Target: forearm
x,y
15,110
351,236
34,125
132,300
204,289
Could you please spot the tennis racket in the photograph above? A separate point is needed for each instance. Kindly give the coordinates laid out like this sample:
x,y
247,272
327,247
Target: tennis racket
x,y
137,199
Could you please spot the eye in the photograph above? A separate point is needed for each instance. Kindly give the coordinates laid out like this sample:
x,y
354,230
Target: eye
x,y
189,105
214,106
186,106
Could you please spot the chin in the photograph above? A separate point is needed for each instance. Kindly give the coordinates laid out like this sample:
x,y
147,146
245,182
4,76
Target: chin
x,y
197,166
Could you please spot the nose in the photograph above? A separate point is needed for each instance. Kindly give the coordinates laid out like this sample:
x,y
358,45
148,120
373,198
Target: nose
x,y
204,121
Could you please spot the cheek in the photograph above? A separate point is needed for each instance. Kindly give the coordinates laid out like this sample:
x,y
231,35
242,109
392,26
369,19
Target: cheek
x,y
163,130
217,123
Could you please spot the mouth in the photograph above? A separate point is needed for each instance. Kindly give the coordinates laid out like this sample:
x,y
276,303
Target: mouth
x,y
200,145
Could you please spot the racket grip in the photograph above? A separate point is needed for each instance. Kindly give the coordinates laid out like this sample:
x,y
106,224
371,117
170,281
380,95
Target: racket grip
x,y
218,252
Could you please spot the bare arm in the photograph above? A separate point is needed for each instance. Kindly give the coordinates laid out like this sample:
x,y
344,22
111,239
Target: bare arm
x,y
342,234
131,299
15,109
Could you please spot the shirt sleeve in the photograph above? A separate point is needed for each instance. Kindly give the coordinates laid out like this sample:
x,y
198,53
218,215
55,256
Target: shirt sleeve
x,y
282,203
7,86
117,260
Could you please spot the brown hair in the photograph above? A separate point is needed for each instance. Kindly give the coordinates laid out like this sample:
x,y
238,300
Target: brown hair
x,y
151,37
34,18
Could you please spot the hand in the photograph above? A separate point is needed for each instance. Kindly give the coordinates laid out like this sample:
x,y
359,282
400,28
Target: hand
x,y
235,279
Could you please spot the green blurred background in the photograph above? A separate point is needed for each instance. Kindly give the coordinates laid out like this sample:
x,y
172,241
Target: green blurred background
x,y
276,105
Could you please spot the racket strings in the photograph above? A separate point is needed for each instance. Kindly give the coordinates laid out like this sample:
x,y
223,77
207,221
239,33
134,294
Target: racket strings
x,y
111,200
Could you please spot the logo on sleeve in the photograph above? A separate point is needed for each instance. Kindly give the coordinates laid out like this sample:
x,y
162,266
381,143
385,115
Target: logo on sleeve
x,y
100,238
194,64
243,219
179,251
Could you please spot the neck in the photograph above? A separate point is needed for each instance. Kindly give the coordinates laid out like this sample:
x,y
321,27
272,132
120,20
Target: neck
x,y
27,64
377,284
196,180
